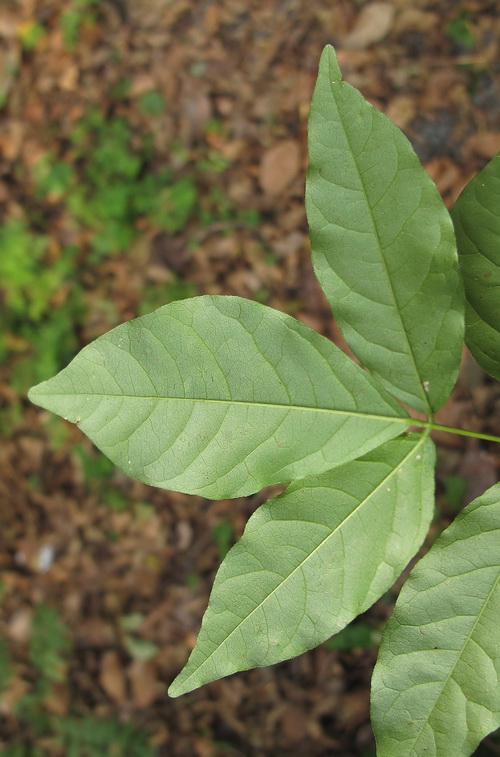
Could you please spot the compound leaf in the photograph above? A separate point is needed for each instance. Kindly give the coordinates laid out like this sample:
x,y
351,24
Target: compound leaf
x,y
436,686
313,558
382,244
221,396
476,215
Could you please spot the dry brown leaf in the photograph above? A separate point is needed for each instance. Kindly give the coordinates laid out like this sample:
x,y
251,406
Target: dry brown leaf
x,y
19,625
354,706
57,702
294,723
32,450
402,110
12,139
415,20
279,167
196,112
486,145
68,79
203,747
8,25
232,150
372,25
479,469
142,677
141,83
445,174
212,19
16,689
112,677
441,89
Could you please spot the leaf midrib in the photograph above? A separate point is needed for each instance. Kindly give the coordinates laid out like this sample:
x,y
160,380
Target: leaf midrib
x,y
386,478
202,400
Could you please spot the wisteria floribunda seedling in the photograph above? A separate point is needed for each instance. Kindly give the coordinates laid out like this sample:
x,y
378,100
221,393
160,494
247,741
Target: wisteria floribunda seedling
x,y
222,396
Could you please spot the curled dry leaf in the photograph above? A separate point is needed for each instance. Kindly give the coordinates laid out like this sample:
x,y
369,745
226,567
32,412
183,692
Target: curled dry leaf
x,y
279,167
112,678
142,676
485,144
373,24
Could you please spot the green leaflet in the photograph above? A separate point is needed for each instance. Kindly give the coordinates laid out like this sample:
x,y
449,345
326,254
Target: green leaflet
x,y
382,244
436,687
476,215
312,559
221,396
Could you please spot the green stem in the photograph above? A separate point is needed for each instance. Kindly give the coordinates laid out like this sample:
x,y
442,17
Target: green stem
x,y
463,432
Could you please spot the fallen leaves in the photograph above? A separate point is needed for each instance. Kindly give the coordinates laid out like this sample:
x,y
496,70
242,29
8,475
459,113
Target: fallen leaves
x,y
144,683
373,23
279,166
112,677
485,144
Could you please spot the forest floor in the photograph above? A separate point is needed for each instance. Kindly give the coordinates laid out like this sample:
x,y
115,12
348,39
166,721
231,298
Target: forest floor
x,y
151,150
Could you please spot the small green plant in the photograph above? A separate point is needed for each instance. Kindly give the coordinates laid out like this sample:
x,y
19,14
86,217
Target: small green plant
x,y
114,191
104,183
175,289
221,396
356,635
152,103
109,191
459,31
49,648
30,278
30,34
48,645
97,737
223,534
5,667
79,14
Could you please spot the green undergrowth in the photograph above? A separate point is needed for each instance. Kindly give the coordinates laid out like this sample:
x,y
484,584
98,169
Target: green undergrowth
x,y
48,658
105,188
39,307
79,15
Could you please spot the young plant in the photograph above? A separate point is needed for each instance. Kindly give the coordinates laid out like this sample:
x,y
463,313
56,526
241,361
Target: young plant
x,y
29,283
49,645
221,396
112,192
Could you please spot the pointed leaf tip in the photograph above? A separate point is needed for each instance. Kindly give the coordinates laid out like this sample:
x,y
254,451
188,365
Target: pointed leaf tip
x,y
329,58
